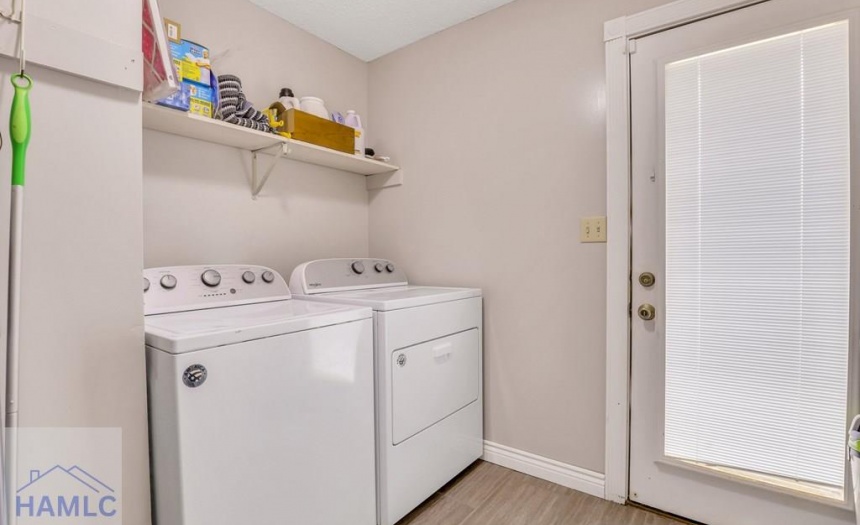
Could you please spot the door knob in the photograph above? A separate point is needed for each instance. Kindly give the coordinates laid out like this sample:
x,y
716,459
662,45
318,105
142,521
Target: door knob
x,y
647,312
647,279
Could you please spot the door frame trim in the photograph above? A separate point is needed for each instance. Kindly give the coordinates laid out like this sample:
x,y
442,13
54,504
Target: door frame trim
x,y
618,36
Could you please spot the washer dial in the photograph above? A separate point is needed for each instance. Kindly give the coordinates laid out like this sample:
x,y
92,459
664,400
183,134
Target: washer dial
x,y
268,276
168,282
358,267
211,278
249,277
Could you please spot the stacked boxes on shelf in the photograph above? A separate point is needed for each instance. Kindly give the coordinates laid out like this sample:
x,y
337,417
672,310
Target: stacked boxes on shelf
x,y
191,61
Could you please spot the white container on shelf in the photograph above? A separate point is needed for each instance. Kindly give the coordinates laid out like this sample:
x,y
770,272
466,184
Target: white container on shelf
x,y
314,106
289,100
354,121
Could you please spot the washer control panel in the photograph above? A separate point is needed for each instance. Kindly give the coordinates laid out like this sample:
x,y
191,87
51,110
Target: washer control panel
x,y
331,275
185,288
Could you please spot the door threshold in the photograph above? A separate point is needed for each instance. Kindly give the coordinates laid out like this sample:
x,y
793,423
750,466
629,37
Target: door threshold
x,y
663,514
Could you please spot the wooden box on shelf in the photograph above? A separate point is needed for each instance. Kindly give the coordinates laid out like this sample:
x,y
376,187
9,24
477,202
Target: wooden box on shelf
x,y
315,130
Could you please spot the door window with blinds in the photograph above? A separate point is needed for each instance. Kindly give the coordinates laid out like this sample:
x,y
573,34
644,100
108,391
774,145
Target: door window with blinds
x,y
757,212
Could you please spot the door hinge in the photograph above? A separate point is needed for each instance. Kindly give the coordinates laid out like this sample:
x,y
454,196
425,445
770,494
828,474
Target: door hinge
x,y
630,310
631,46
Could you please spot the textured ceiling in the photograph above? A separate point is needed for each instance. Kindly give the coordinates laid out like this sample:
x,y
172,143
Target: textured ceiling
x,y
369,29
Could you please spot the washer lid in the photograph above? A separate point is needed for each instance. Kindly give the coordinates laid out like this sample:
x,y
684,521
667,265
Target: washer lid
x,y
182,332
395,298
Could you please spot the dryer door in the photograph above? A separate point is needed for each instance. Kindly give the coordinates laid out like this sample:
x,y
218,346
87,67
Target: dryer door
x,y
432,380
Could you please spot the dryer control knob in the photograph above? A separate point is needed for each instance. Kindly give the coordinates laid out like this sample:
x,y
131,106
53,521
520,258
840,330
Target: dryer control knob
x,y
168,282
358,267
211,278
249,277
268,276
378,267
145,285
389,267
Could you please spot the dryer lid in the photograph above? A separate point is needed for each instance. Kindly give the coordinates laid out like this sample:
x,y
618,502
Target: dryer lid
x,y
182,332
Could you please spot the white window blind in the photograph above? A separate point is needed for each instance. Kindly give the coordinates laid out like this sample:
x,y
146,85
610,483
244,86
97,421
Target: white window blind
x,y
757,256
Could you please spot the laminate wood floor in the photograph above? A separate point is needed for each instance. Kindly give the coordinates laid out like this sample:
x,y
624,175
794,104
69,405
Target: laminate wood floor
x,y
487,494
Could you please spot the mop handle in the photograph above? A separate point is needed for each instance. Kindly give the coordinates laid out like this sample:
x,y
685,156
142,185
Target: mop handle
x,y
19,132
19,126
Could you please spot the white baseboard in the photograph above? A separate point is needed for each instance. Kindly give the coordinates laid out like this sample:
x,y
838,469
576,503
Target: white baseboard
x,y
544,468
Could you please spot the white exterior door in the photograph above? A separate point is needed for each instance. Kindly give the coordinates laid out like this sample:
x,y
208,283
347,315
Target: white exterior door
x,y
742,141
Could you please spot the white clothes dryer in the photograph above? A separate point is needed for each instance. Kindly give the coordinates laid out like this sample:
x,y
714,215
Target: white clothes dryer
x,y
429,387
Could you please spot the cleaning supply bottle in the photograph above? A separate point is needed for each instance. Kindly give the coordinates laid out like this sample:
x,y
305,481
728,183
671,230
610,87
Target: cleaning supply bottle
x,y
288,99
354,121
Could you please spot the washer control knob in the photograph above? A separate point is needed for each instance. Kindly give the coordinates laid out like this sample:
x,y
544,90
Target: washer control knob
x,y
389,267
378,267
249,277
145,285
211,278
168,282
268,276
358,267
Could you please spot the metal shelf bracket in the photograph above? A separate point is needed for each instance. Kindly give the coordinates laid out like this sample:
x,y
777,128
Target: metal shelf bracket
x,y
258,182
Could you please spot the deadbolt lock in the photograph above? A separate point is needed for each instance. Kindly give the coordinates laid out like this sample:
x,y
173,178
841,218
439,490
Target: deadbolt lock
x,y
647,312
647,279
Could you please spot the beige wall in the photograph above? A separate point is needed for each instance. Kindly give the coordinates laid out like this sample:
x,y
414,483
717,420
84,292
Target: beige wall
x,y
197,202
82,361
81,347
499,125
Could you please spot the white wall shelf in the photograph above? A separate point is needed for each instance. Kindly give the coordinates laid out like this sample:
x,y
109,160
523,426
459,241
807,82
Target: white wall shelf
x,y
379,174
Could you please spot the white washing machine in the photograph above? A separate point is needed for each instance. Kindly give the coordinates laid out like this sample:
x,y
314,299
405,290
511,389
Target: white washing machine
x,y
261,406
429,393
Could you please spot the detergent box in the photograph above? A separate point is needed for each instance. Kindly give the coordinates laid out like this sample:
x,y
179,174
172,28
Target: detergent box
x,y
191,61
201,99
180,100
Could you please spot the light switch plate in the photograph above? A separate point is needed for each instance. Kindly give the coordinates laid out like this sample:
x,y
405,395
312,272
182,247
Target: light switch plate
x,y
592,229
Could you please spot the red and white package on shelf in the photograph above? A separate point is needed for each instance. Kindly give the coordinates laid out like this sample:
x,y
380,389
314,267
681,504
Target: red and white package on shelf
x,y
159,76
